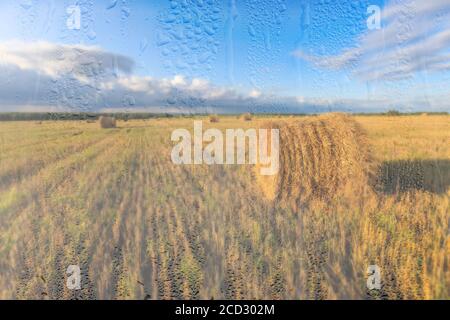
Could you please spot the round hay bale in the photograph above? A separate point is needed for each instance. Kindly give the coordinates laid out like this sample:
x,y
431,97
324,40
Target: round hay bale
x,y
247,116
107,122
214,118
320,158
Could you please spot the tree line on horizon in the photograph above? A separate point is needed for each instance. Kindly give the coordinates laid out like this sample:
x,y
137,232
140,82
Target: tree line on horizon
x,y
124,116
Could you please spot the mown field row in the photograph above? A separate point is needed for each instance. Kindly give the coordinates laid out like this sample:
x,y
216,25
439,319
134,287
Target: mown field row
x,y
140,227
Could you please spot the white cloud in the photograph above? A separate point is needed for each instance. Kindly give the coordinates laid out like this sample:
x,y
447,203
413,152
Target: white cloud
x,y
56,60
415,37
87,78
46,76
255,93
178,80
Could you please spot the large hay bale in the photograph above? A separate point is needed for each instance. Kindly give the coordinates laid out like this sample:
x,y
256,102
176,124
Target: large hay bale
x,y
320,158
107,122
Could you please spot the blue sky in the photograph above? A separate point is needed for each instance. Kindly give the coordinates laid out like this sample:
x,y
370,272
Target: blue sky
x,y
225,56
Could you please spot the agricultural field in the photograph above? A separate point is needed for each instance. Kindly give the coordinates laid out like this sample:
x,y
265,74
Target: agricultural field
x,y
140,227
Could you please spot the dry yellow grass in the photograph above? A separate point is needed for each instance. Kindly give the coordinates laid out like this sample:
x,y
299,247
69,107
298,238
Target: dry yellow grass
x,y
112,202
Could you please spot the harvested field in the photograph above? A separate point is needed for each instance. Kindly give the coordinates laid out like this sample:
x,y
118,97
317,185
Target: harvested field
x,y
140,227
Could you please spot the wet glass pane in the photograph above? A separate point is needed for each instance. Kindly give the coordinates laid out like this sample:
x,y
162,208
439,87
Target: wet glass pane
x,y
224,149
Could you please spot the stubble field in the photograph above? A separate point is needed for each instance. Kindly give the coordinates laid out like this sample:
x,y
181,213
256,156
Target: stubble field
x,y
140,227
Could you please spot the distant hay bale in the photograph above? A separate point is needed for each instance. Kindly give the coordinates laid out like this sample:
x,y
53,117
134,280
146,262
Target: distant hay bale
x,y
320,158
247,116
214,118
107,122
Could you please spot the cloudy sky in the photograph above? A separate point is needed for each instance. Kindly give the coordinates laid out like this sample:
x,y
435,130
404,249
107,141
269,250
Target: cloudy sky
x,y
224,56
